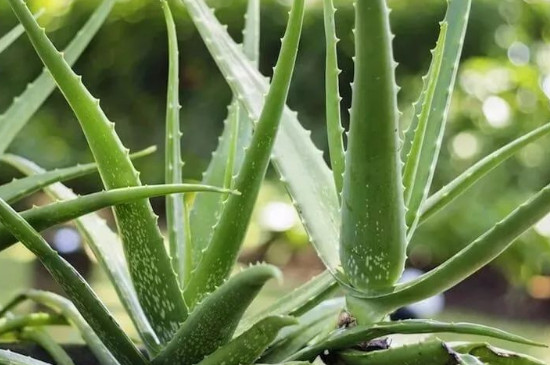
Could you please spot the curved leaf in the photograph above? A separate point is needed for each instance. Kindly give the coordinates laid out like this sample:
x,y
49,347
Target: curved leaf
x,y
15,323
44,340
12,358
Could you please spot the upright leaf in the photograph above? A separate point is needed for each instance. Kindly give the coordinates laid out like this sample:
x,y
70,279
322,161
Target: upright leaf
x,y
10,37
456,21
222,251
372,241
75,286
334,124
150,267
25,105
212,323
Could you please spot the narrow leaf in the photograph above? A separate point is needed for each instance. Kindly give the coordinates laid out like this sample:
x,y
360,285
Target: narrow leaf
x,y
16,323
12,358
468,178
18,189
49,215
75,286
213,321
107,249
25,105
345,338
456,21
334,124
294,154
222,251
372,241
44,340
15,33
150,267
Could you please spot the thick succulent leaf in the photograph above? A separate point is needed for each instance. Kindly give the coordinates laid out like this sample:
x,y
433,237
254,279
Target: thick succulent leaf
x,y
493,355
175,205
149,263
313,325
373,234
25,105
12,358
49,215
63,306
335,130
75,286
468,178
11,36
16,323
298,161
220,256
213,321
107,249
20,188
247,348
232,144
456,21
44,340
413,159
345,338
295,303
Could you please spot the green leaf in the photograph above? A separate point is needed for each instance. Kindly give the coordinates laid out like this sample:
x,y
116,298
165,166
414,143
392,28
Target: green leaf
x,y
16,323
25,105
11,358
468,178
63,306
18,189
295,303
334,124
15,33
49,215
372,240
457,20
413,160
301,165
213,321
313,325
107,249
493,355
345,338
44,340
227,160
248,347
220,256
75,286
150,267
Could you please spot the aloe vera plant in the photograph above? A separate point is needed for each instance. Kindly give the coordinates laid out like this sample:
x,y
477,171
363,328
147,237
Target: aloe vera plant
x,y
182,298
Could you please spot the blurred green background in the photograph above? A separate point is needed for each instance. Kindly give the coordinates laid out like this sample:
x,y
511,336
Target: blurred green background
x,y
502,92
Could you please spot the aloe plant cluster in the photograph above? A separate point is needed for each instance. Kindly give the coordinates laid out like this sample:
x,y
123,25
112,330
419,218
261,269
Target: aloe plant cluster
x,y
183,298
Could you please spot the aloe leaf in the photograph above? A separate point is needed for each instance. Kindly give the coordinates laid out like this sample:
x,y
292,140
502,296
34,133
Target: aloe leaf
x,y
18,189
372,241
44,340
63,306
457,20
493,355
49,215
300,164
345,338
213,321
149,263
75,286
221,253
107,249
12,358
313,324
25,105
468,178
295,303
11,36
413,159
175,206
228,158
14,323
334,123
248,347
